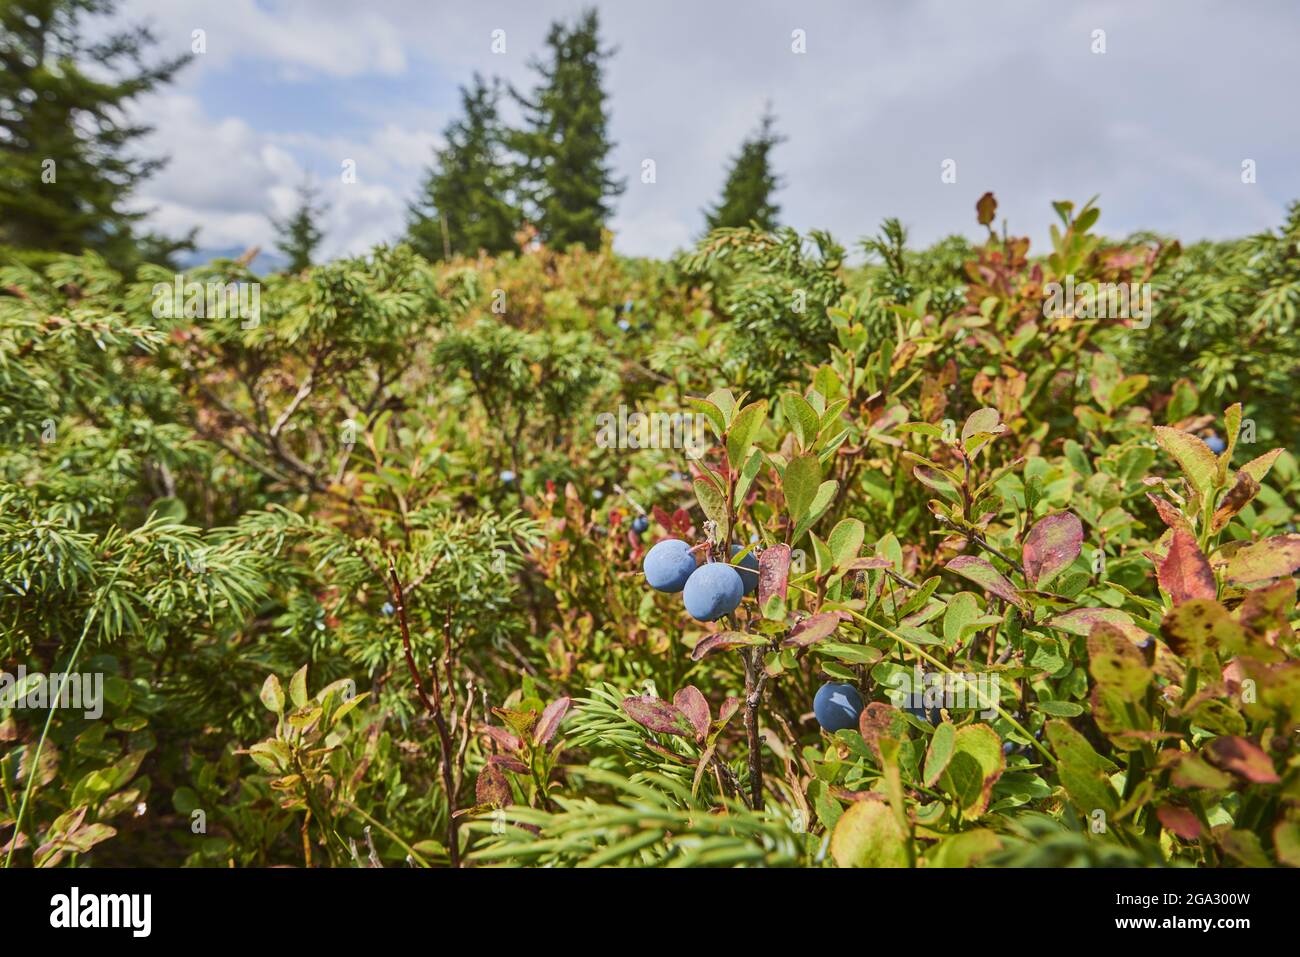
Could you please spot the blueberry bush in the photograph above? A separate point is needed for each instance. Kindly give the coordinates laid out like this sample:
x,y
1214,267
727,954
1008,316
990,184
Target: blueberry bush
x,y
753,557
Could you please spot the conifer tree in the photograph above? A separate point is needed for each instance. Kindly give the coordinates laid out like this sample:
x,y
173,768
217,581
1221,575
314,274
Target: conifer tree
x,y
465,203
68,157
565,143
299,234
747,195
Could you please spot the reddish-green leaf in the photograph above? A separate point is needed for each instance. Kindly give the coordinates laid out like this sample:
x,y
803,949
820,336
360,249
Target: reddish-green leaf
x,y
812,630
656,715
976,569
690,701
1052,544
1243,758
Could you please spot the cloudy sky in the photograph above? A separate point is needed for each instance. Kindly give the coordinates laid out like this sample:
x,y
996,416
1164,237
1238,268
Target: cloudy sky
x,y
887,91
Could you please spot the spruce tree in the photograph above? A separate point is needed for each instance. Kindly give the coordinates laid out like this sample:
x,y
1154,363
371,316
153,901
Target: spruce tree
x,y
747,195
465,202
68,157
300,234
565,142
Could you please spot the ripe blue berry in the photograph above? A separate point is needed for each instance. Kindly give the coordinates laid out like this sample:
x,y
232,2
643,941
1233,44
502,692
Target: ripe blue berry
x,y
640,524
507,476
712,591
837,706
668,565
1216,444
748,569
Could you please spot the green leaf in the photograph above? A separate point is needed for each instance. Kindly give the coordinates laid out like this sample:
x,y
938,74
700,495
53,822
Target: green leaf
x,y
747,475
298,687
272,695
869,835
939,753
802,478
963,608
726,404
802,417
1084,773
1193,456
711,412
743,429
976,764
845,541
713,503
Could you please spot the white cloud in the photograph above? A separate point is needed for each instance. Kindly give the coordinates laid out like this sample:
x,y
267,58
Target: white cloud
x,y
1158,125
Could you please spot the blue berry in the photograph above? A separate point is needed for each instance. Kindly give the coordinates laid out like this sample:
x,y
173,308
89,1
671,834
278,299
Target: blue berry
x,y
388,608
507,476
668,565
640,524
1216,444
714,590
837,706
748,569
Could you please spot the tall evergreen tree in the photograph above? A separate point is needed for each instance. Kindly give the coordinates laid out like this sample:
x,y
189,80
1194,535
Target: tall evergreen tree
x,y
299,234
747,195
565,142
465,202
67,159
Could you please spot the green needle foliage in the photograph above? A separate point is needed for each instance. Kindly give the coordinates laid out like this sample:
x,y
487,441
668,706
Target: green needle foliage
x,y
467,202
68,162
747,194
299,234
565,142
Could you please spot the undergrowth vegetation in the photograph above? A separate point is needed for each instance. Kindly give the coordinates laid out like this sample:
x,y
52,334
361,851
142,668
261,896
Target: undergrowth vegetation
x,y
361,574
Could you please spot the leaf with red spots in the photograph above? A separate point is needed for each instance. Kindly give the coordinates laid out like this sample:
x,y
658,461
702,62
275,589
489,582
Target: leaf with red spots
x,y
492,787
773,572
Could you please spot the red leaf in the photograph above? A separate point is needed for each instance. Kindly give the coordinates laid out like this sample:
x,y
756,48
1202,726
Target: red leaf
x,y
1243,758
690,702
1181,821
508,763
1052,544
814,629
1169,514
656,715
773,572
729,707
550,720
502,737
1184,573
